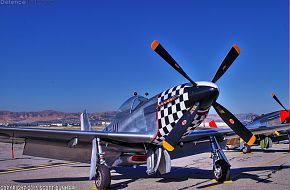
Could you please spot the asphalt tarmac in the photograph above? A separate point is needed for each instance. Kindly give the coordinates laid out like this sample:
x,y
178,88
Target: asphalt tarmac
x,y
257,170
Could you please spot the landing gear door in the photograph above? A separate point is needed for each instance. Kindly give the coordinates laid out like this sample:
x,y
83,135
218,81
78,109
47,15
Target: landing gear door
x,y
165,163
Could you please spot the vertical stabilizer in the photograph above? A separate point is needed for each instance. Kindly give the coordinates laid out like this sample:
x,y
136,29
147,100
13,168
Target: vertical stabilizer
x,y
85,122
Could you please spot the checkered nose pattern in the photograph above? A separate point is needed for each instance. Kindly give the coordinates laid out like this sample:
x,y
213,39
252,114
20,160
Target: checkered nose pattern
x,y
172,104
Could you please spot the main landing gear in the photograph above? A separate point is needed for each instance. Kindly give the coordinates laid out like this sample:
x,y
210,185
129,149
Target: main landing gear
x,y
221,166
246,149
103,174
103,177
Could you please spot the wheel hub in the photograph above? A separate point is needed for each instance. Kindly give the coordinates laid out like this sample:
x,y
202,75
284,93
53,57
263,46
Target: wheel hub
x,y
98,178
218,171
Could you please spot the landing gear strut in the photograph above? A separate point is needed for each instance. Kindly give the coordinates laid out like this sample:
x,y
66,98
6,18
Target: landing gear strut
x,y
103,174
221,166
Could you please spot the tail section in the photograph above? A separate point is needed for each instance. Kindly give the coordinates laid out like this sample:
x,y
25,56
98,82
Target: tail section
x,y
85,122
212,124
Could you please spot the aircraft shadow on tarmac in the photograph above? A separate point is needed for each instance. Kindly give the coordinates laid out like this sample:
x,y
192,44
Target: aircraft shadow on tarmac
x,y
178,174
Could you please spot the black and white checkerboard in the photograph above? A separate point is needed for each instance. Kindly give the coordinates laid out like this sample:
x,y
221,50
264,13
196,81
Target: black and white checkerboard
x,y
169,113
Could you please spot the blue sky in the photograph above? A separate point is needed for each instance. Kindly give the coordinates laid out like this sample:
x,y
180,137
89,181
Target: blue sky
x,y
73,55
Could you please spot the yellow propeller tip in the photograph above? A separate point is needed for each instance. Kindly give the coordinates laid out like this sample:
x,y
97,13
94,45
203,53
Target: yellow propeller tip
x,y
167,146
154,44
252,140
237,48
273,94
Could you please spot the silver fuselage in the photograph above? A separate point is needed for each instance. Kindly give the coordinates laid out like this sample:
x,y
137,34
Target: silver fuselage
x,y
147,117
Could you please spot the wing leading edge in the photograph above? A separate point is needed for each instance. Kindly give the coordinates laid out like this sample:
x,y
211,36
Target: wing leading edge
x,y
67,135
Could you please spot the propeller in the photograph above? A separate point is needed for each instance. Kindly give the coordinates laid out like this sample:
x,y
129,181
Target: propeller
x,y
234,124
184,122
225,114
277,100
157,47
180,128
228,60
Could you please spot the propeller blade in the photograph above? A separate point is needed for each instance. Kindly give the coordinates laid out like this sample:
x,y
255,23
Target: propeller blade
x,y
180,128
234,124
228,60
157,47
277,100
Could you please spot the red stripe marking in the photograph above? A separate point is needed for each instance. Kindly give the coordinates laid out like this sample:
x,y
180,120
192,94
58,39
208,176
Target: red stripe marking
x,y
166,102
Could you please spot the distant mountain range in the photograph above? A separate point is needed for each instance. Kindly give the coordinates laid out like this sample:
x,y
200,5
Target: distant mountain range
x,y
57,116
49,115
243,117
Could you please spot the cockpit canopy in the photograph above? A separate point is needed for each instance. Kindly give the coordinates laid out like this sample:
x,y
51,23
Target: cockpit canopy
x,y
132,103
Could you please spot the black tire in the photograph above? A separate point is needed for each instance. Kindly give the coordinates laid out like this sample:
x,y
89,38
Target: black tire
x,y
246,149
221,171
103,177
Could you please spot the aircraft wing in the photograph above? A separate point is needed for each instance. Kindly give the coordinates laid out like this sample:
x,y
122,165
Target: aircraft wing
x,y
74,145
226,133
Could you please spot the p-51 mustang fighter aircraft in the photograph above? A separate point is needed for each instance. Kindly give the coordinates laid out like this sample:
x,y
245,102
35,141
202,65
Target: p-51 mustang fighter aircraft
x,y
147,131
266,139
